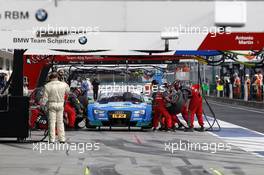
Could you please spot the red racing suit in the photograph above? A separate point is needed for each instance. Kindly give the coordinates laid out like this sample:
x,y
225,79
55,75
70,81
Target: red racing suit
x,y
38,119
160,110
33,118
195,107
68,109
71,114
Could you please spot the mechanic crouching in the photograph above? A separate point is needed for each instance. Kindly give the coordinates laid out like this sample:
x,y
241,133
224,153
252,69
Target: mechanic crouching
x,y
74,108
54,96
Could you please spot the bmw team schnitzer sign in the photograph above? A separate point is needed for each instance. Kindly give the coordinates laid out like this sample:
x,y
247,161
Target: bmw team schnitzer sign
x,y
44,40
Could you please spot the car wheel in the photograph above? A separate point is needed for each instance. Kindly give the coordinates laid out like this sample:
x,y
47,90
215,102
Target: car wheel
x,y
146,127
79,123
88,126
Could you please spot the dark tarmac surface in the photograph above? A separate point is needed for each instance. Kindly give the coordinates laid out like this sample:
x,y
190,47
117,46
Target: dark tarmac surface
x,y
250,118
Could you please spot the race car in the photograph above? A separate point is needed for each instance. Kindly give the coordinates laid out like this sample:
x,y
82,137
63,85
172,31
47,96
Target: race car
x,y
120,109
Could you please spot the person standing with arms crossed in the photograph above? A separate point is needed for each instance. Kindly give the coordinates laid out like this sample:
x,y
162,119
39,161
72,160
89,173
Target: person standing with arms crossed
x,y
54,95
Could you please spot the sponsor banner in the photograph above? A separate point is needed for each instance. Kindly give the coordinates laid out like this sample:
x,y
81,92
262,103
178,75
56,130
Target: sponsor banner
x,y
132,42
93,41
234,41
98,41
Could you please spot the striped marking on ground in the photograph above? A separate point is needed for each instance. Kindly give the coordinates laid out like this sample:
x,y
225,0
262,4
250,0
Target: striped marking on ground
x,y
246,139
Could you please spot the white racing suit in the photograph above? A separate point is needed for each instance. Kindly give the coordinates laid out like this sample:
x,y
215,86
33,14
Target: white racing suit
x,y
54,94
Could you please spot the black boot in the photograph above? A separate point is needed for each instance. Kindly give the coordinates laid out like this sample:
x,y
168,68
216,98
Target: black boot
x,y
188,130
180,126
162,128
201,129
173,128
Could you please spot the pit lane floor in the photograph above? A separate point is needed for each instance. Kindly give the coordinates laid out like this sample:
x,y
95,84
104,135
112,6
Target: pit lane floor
x,y
251,118
135,152
132,153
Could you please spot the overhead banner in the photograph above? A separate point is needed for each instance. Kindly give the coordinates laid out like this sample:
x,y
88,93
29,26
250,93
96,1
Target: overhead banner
x,y
102,41
234,41
116,27
131,42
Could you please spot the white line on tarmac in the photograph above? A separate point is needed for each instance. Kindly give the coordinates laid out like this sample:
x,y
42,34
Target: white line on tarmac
x,y
245,109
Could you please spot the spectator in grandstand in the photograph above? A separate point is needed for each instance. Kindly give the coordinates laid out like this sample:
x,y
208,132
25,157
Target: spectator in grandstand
x,y
257,88
221,86
260,75
237,86
227,86
247,87
217,82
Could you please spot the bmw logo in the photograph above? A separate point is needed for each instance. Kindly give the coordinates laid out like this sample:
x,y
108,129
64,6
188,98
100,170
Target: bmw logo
x,y
41,15
83,40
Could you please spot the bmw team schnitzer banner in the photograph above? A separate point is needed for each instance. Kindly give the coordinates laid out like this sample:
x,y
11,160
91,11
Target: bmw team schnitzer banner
x,y
130,41
115,30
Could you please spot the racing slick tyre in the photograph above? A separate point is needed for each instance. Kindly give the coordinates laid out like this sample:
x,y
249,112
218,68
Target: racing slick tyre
x,y
149,126
79,123
146,128
88,126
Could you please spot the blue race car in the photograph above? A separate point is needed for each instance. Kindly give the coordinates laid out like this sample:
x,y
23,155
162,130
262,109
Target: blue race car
x,y
119,109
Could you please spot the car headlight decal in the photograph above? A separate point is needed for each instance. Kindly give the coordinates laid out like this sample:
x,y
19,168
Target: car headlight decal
x,y
96,111
140,112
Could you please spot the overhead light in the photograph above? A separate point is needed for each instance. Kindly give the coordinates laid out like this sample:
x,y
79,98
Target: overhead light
x,y
169,35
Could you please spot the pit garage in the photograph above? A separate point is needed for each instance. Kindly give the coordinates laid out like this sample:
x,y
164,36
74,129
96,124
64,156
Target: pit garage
x,y
111,62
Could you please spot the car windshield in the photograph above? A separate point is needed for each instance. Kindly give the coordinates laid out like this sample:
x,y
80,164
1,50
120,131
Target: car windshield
x,y
120,97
